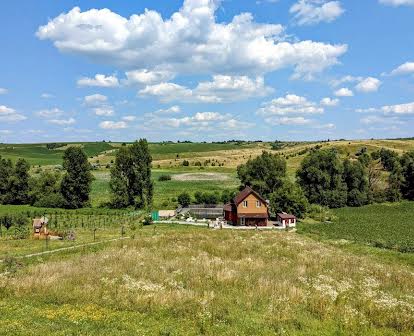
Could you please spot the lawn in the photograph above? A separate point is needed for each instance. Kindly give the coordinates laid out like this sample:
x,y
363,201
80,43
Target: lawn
x,y
177,280
388,226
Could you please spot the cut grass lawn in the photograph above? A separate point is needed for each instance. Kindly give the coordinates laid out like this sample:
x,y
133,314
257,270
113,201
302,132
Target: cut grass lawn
x,y
175,280
382,225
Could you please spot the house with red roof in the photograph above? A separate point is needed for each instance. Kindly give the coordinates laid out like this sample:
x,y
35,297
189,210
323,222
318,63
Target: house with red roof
x,y
248,208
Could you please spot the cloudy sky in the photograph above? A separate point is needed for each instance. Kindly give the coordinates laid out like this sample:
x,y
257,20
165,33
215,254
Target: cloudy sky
x,y
206,70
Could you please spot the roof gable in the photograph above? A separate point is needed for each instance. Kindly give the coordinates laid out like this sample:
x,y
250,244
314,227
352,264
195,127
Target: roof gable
x,y
241,196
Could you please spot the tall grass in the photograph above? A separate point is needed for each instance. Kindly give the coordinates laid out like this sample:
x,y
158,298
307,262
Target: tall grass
x,y
182,281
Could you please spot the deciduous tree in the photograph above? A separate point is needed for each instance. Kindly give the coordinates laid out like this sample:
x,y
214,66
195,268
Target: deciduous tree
x,y
320,176
76,183
265,174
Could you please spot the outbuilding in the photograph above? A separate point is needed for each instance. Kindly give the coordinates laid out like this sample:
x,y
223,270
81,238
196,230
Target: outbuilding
x,y
286,220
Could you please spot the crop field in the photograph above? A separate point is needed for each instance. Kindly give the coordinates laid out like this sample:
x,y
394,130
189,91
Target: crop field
x,y
38,154
177,280
388,226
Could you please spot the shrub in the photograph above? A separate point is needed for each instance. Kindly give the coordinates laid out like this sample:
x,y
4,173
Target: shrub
x,y
54,200
147,220
186,163
164,178
184,199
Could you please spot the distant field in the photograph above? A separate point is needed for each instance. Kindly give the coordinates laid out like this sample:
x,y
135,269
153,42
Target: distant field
x,y
388,226
38,154
172,154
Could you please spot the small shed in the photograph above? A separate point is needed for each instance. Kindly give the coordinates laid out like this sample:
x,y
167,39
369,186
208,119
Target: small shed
x,y
165,214
286,220
40,226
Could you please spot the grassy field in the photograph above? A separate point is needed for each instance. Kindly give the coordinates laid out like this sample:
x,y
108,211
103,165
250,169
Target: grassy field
x,y
176,280
166,192
332,279
39,155
388,226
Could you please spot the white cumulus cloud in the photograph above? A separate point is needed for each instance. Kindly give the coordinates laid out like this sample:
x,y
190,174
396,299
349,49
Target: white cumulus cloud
x,y
148,77
191,41
62,122
308,12
99,81
113,125
50,113
95,99
344,92
221,89
104,110
397,3
369,84
8,114
404,69
329,102
288,105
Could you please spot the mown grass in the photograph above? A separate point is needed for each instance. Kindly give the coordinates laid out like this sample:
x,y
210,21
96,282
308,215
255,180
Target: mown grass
x,y
388,226
188,281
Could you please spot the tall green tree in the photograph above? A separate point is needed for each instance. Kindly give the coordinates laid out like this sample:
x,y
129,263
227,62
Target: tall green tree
x,y
142,185
77,181
45,190
131,183
265,173
407,163
321,179
356,180
389,159
121,175
6,170
289,198
395,183
18,185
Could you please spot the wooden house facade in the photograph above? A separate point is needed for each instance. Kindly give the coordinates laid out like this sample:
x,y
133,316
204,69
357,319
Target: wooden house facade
x,y
248,208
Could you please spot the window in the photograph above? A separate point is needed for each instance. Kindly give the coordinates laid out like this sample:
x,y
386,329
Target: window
x,y
258,204
244,204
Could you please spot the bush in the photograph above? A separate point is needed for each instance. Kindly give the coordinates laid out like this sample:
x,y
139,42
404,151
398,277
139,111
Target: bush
x,y
147,220
164,178
184,199
186,163
206,198
54,200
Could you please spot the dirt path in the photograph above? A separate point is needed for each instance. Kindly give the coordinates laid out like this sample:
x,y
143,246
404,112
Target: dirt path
x,y
67,248
201,177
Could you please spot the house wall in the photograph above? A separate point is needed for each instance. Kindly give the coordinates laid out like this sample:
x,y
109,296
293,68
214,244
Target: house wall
x,y
251,206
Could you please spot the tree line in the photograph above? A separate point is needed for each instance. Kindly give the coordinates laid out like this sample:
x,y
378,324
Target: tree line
x,y
325,179
130,183
47,189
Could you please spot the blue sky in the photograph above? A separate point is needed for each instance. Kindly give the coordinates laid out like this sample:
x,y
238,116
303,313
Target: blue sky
x,y
206,70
